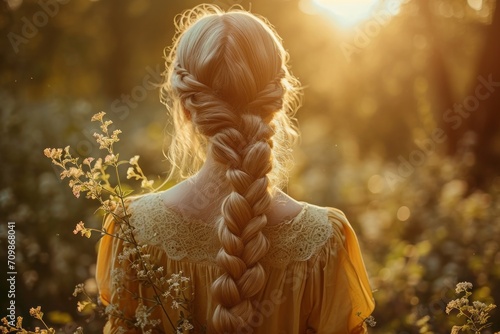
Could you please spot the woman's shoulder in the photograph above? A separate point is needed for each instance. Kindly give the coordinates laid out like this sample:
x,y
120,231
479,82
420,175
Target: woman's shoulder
x,y
146,211
321,222
312,231
137,204
286,208
290,209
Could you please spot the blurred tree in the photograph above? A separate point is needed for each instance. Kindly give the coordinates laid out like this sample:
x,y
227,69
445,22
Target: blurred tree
x,y
118,59
472,122
484,122
439,72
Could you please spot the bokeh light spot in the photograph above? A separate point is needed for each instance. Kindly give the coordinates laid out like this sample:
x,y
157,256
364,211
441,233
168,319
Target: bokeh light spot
x,y
403,213
475,4
375,184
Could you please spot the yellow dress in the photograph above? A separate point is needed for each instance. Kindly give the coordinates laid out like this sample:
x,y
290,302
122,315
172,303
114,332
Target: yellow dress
x,y
316,279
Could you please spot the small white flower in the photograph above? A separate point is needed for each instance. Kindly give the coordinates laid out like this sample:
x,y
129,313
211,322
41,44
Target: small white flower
x,y
463,286
98,116
131,173
134,160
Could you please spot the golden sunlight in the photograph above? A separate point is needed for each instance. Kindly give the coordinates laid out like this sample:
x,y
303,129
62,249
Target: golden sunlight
x,y
350,12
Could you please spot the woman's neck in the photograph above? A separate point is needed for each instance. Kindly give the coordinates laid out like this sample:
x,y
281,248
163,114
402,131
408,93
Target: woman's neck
x,y
211,171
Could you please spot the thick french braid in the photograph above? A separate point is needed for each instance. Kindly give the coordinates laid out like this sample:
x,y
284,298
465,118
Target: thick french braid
x,y
227,75
241,141
243,218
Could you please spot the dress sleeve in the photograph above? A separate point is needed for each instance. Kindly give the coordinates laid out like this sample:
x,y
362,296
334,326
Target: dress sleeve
x,y
339,287
105,261
107,267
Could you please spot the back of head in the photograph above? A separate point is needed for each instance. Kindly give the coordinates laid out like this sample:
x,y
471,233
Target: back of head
x,y
232,97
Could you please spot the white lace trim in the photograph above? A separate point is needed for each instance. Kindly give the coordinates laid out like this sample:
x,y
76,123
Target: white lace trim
x,y
297,239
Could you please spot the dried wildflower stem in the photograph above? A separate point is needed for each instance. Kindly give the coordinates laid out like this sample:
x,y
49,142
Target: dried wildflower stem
x,y
92,178
476,315
150,281
156,289
472,322
120,195
38,314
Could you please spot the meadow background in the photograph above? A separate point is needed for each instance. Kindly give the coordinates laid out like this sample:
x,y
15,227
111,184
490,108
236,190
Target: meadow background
x,y
400,129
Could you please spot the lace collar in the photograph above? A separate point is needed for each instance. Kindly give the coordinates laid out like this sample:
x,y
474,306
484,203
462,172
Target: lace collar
x,y
293,239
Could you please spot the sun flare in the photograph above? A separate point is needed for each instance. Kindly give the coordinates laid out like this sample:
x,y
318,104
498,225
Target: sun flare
x,y
349,12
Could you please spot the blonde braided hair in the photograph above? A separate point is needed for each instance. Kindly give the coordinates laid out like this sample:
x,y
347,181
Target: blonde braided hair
x,y
229,90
